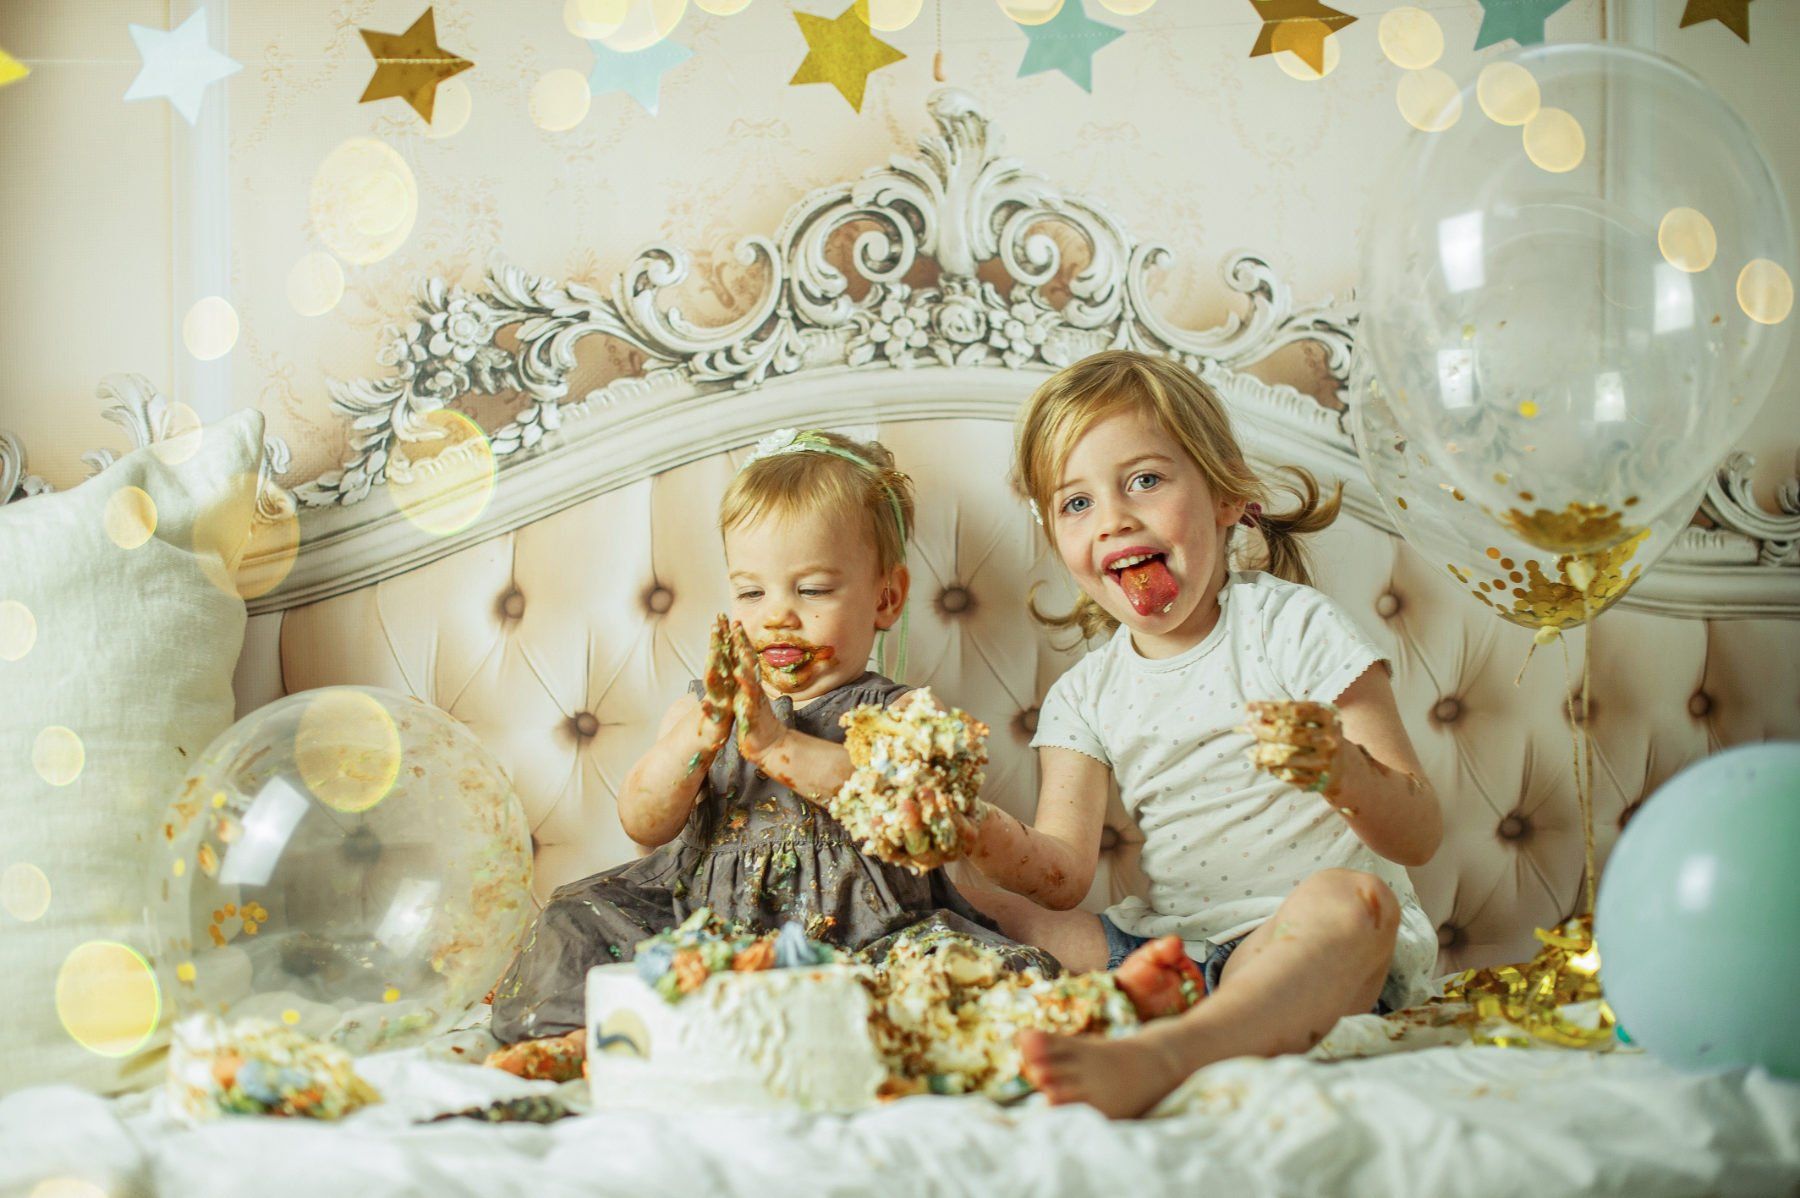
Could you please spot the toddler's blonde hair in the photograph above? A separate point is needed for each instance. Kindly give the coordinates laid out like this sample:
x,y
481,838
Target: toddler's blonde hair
x,y
850,477
1190,412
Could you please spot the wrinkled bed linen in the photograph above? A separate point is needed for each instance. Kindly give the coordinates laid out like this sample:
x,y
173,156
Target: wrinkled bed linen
x,y
1436,1121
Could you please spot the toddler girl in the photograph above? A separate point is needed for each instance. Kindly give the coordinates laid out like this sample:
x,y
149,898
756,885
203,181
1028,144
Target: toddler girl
x,y
1274,846
815,529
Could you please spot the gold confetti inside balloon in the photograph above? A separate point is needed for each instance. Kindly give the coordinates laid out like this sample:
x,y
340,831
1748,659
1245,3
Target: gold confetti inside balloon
x,y
1549,291
349,861
1499,569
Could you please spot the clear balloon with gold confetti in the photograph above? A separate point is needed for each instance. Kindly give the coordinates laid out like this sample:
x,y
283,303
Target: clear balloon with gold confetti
x,y
1496,567
348,861
1578,294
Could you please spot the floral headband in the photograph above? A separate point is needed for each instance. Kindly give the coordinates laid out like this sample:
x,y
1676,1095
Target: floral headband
x,y
793,440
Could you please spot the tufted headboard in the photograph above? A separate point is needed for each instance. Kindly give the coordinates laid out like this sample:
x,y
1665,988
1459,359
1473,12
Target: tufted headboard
x,y
920,303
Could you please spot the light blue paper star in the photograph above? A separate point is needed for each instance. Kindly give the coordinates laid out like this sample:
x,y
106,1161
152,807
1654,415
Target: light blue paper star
x,y
638,73
1067,42
1520,20
179,65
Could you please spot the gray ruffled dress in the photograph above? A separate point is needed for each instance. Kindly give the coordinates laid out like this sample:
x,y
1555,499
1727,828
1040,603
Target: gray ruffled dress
x,y
753,851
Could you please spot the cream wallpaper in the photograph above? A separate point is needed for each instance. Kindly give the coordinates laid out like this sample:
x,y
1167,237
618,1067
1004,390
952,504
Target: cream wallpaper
x,y
1186,139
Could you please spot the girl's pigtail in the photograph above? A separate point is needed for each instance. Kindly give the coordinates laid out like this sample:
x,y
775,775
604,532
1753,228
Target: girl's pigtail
x,y
1282,531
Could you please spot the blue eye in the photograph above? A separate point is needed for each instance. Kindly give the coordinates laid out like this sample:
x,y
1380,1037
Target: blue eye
x,y
814,592
747,596
1069,508
1149,474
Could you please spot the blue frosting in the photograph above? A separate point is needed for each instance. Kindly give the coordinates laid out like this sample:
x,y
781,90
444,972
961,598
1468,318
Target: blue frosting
x,y
654,961
794,951
257,1080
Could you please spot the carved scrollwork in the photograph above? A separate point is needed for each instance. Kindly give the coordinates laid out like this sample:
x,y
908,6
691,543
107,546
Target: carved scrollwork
x,y
955,203
1730,502
147,416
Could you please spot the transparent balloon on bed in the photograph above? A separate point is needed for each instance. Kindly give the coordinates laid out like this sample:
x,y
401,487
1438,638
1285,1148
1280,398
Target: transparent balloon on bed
x,y
348,861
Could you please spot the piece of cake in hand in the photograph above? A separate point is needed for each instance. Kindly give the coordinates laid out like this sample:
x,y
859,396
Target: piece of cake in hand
x,y
1295,741
918,770
259,1067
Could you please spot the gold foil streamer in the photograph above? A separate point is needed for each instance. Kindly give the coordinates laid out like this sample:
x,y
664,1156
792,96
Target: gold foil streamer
x,y
1554,997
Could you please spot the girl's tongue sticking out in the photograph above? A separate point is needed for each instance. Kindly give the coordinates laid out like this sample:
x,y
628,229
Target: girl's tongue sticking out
x,y
1148,585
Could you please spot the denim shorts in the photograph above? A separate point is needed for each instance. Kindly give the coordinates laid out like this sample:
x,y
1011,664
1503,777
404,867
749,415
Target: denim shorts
x,y
1121,944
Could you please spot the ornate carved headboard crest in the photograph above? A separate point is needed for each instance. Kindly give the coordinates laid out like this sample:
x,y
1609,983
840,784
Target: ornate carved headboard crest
x,y
960,342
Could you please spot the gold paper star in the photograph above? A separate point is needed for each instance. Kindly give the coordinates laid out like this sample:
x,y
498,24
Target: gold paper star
x,y
411,65
842,51
1302,25
1733,14
11,69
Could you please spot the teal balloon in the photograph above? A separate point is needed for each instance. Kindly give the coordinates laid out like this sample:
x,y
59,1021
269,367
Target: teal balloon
x,y
1698,916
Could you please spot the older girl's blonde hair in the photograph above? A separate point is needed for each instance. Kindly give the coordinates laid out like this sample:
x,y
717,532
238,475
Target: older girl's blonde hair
x,y
838,475
1190,412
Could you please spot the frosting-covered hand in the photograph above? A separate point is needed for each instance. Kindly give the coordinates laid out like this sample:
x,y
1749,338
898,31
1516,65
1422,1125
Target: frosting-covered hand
x,y
1297,742
719,698
758,729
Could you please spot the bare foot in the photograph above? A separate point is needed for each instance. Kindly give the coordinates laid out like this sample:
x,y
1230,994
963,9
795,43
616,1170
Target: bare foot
x,y
1122,1078
553,1058
1160,978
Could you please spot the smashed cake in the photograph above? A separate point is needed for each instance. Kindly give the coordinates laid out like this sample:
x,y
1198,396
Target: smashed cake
x,y
947,1014
917,772
259,1067
1295,740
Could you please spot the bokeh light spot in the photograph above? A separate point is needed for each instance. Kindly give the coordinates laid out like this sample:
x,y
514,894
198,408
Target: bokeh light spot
x,y
1291,34
451,111
444,484
347,750
890,16
1507,92
645,23
18,630
1031,12
1429,100
593,18
1554,141
210,328
364,200
1411,38
1765,291
107,998
1687,240
315,284
24,891
58,756
560,100
130,517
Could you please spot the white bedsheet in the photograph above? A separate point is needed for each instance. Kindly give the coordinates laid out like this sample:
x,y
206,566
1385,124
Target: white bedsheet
x,y
1437,1121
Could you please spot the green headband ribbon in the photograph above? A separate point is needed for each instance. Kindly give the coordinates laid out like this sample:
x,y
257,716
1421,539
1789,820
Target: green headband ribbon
x,y
789,440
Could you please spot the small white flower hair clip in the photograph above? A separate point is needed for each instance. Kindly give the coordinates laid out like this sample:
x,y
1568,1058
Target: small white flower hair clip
x,y
782,440
1036,513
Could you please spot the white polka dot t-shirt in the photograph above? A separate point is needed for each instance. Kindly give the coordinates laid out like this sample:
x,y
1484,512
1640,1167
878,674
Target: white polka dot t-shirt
x,y
1224,842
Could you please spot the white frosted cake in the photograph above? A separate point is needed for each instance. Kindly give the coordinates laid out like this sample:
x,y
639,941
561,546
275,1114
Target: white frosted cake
x,y
779,1037
718,1027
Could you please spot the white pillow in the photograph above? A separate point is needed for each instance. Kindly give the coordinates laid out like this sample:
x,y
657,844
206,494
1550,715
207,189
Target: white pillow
x,y
117,645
